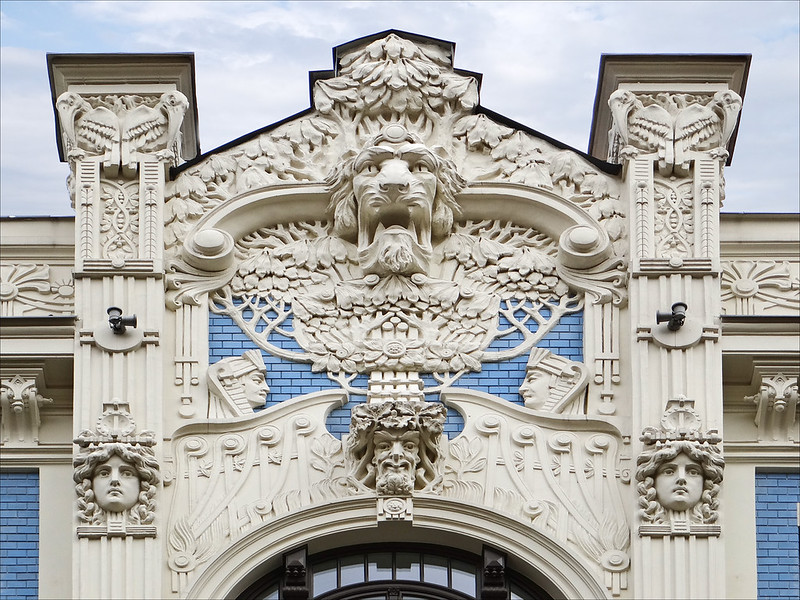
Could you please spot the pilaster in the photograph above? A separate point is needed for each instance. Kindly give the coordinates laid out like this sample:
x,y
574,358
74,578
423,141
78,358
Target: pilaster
x,y
673,138
120,133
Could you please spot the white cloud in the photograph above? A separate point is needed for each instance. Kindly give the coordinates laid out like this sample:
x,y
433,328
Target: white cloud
x,y
539,60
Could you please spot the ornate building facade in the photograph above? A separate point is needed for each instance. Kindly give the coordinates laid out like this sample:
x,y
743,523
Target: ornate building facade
x,y
399,346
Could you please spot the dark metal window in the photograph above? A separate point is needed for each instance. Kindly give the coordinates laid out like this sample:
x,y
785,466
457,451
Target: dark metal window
x,y
406,572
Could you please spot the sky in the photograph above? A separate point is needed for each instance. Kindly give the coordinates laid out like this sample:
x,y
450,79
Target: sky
x,y
539,62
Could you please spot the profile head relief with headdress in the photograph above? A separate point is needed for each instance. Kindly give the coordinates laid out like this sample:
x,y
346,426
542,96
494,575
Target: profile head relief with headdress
x,y
394,198
237,384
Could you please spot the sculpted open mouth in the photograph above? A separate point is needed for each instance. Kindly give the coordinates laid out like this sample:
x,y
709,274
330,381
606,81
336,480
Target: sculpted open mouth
x,y
393,218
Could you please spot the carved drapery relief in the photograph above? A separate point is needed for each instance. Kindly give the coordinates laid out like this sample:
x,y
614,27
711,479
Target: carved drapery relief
x,y
117,477
118,129
562,475
554,383
229,477
394,447
30,289
751,287
20,404
237,385
673,127
679,474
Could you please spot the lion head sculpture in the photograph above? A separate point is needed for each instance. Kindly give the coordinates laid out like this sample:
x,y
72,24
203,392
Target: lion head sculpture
x,y
394,198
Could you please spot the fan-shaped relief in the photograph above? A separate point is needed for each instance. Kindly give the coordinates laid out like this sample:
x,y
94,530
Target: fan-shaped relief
x,y
564,475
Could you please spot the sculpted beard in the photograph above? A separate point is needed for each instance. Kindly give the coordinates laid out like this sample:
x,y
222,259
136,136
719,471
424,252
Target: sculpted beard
x,y
395,251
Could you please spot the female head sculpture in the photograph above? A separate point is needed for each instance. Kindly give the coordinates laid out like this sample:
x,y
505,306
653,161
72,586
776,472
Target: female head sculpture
x,y
237,384
679,475
553,383
116,477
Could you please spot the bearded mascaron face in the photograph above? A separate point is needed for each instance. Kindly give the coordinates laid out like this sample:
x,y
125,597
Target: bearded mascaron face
x,y
396,457
395,190
116,485
679,483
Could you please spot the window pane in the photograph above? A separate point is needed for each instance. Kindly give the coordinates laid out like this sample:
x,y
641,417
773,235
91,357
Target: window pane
x,y
325,577
435,570
463,577
379,566
272,593
352,570
408,566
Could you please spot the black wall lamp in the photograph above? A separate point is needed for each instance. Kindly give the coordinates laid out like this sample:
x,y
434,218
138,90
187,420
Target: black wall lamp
x,y
675,319
117,322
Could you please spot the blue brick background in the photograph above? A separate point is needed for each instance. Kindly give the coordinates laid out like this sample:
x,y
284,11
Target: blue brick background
x,y
777,543
19,535
287,379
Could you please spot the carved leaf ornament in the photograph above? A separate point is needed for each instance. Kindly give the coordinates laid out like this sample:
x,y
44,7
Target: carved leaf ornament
x,y
398,276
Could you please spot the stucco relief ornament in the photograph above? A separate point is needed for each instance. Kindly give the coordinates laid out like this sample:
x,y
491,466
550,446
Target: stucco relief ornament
x,y
117,476
237,385
394,448
394,283
115,129
674,126
679,475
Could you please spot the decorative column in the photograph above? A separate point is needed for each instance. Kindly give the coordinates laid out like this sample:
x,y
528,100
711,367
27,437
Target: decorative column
x,y
120,133
671,139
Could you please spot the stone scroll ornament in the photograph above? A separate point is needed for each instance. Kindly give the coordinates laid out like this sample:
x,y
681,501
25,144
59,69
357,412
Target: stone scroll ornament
x,y
117,476
679,475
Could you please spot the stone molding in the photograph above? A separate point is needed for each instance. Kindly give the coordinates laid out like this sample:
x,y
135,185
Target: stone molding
x,y
20,408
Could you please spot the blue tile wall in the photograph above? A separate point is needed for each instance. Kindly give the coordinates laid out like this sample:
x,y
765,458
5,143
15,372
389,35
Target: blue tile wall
x,y
777,543
19,535
287,379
